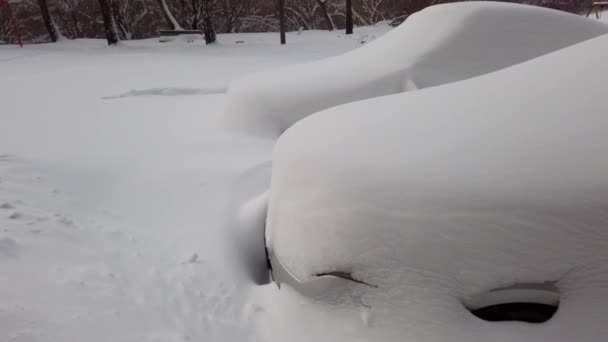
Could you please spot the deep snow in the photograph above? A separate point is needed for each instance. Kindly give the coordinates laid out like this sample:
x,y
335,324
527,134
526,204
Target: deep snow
x,y
436,197
115,198
127,212
438,45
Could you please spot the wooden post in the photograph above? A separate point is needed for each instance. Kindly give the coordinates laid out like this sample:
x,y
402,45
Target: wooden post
x,y
282,21
349,16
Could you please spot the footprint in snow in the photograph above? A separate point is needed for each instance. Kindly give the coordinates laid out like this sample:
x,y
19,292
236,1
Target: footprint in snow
x,y
193,259
65,221
8,158
15,215
7,206
9,247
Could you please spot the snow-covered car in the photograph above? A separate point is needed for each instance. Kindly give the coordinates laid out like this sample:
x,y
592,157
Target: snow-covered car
x,y
445,182
439,45
473,211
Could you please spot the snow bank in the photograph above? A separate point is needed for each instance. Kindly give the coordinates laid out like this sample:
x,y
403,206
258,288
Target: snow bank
x,y
118,218
439,45
436,197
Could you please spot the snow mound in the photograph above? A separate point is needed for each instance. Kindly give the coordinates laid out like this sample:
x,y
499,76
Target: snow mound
x,y
439,45
437,198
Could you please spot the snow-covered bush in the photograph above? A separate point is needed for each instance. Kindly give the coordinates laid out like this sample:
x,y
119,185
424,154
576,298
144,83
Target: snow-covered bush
x,y
439,45
487,191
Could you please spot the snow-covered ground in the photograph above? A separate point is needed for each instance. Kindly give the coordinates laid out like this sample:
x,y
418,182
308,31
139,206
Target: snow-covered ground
x,y
116,182
128,212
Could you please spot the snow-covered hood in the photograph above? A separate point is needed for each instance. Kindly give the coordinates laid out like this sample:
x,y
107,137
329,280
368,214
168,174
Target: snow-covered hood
x,y
435,197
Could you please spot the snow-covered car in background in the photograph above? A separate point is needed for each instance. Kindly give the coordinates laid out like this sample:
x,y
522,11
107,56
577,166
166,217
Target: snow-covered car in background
x,y
466,212
438,45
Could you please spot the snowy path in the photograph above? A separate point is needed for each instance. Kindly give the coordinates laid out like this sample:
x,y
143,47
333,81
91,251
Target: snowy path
x,y
112,213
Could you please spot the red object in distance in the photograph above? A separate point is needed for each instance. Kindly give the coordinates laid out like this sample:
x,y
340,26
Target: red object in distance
x,y
11,15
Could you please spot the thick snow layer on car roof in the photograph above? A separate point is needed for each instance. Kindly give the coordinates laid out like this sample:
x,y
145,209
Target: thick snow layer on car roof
x,y
439,45
435,196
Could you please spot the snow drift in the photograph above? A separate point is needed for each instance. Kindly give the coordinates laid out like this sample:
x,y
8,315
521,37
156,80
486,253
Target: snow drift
x,y
112,220
439,45
436,198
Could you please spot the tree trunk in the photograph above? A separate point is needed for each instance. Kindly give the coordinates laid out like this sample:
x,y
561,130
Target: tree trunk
x,y
194,22
118,20
165,16
169,18
328,21
77,30
108,22
229,14
208,28
349,16
282,21
48,21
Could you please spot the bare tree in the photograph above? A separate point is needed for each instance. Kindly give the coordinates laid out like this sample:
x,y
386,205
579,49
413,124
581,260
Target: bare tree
x,y
373,10
168,16
143,18
311,14
9,25
282,21
328,20
190,13
77,18
128,14
233,11
48,20
197,15
208,28
349,16
303,13
108,22
72,26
